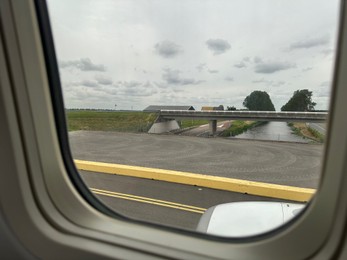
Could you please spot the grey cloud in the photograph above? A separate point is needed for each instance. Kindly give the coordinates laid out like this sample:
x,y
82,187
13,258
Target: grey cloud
x,y
307,69
262,80
327,52
83,64
122,88
81,93
218,46
170,91
110,91
325,84
201,67
229,78
257,59
269,83
173,77
89,83
240,65
165,91
324,90
69,85
131,84
161,85
135,88
103,80
323,93
272,66
309,43
167,49
278,83
73,85
139,93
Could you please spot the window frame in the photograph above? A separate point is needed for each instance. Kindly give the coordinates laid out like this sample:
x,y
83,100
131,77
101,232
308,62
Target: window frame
x,y
60,218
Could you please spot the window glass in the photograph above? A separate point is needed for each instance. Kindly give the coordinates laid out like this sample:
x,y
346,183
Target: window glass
x,y
165,106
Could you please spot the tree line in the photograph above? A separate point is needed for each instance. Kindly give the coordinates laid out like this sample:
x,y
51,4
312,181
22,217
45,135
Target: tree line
x,y
261,101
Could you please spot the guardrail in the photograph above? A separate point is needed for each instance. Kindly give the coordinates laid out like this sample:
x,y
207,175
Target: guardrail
x,y
208,181
246,115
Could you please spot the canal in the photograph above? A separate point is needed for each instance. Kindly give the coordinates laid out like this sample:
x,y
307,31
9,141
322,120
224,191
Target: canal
x,y
274,131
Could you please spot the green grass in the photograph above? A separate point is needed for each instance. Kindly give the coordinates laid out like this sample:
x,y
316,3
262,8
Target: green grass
x,y
295,129
191,123
301,129
238,127
109,120
317,135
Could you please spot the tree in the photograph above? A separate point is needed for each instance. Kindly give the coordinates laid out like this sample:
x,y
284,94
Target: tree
x,y
220,107
231,108
259,101
300,101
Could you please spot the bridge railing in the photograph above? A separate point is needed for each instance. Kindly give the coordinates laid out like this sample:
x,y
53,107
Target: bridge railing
x,y
246,115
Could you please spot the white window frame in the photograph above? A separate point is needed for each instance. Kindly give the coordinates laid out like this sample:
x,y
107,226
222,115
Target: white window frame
x,y
50,218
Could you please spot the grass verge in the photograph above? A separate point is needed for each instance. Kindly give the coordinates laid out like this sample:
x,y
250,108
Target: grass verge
x,y
192,123
301,129
119,121
238,127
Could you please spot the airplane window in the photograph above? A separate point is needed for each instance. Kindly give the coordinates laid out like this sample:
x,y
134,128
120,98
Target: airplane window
x,y
205,115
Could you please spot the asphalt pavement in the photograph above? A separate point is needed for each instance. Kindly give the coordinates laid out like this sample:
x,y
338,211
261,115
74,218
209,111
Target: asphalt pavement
x,y
181,206
284,163
159,202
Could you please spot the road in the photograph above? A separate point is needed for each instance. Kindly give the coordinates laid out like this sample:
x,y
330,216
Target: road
x,y
182,205
160,202
274,162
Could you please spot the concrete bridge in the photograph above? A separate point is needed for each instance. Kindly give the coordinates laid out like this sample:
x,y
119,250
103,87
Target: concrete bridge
x,y
167,119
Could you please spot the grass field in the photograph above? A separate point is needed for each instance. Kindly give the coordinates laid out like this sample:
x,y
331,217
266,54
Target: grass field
x,y
191,123
109,120
118,121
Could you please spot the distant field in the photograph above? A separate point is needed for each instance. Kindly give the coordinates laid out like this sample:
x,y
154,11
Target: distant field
x,y
191,123
109,120
118,121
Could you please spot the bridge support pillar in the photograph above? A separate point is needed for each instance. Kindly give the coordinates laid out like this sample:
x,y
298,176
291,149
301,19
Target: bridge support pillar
x,y
213,126
163,127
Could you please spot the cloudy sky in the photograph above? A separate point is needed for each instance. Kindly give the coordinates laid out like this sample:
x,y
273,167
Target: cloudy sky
x,y
135,53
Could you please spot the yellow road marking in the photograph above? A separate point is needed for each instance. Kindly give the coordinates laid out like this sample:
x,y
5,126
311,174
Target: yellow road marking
x,y
147,200
208,181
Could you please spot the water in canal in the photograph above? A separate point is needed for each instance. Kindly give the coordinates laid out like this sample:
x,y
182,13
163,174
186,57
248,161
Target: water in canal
x,y
274,131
